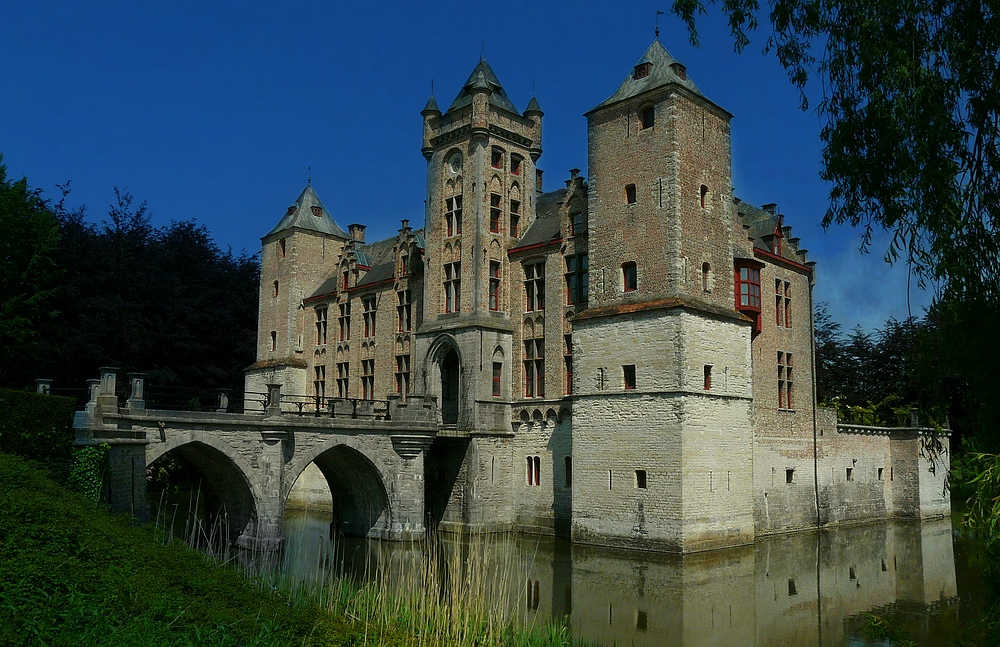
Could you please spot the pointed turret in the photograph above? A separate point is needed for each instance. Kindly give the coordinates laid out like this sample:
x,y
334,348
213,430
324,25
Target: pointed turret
x,y
308,212
482,77
533,108
431,108
656,68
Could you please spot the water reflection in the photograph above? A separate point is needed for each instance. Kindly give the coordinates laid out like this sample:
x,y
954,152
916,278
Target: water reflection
x,y
803,589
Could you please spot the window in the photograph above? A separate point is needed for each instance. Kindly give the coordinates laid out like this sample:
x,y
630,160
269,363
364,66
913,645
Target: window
x,y
404,264
577,279
452,287
789,476
321,326
569,471
640,479
343,379
453,216
642,70
568,359
784,380
629,194
534,467
628,376
319,384
629,277
274,340
494,285
646,116
534,368
403,375
706,273
880,473
344,321
368,305
577,224
791,588
496,159
316,211
850,477
708,377
534,286
404,311
367,379
275,292
748,288
782,303
515,217
497,371
680,71
281,248
704,196
495,212
515,165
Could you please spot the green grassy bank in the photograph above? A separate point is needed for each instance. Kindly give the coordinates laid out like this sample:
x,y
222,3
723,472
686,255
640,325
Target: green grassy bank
x,y
71,574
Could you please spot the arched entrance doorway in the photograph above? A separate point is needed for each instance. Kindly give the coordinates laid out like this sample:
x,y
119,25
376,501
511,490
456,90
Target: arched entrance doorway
x,y
449,387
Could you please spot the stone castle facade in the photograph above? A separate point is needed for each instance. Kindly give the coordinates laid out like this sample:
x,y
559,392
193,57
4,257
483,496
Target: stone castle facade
x,y
627,359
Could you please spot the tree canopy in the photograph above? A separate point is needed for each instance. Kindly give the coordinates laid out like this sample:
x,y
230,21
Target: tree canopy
x,y
911,120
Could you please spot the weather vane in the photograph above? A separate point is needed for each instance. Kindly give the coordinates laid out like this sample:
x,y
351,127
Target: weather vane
x,y
658,14
309,177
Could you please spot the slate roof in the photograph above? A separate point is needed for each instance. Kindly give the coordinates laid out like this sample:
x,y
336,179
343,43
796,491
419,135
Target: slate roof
x,y
300,215
660,74
483,76
378,256
547,225
763,223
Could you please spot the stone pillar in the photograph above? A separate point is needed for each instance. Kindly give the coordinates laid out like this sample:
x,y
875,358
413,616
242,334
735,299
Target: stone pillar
x,y
223,401
136,399
407,491
271,471
107,397
127,477
43,386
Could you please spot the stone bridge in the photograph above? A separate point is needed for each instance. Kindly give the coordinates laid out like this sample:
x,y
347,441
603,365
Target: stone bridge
x,y
372,458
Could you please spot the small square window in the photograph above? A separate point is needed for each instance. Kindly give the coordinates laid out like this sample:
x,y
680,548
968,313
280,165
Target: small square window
x,y
791,588
628,373
642,70
850,473
640,479
646,116
789,476
629,194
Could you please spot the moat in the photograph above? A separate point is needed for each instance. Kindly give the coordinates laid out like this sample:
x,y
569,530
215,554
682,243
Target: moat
x,y
803,589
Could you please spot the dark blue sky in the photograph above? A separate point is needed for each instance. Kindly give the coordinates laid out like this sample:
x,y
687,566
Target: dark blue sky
x,y
214,111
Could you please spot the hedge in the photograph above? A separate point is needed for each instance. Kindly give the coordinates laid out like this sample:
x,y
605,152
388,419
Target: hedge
x,y
39,427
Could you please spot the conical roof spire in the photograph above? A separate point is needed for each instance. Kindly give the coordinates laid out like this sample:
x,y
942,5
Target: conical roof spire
x,y
308,212
482,77
654,69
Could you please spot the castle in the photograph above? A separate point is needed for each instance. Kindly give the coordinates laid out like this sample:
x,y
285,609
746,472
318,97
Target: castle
x,y
627,359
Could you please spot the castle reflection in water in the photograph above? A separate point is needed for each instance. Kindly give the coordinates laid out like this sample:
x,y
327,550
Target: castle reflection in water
x,y
802,589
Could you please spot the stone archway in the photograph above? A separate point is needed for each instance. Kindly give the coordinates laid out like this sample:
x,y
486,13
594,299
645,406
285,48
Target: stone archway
x,y
360,501
220,488
444,378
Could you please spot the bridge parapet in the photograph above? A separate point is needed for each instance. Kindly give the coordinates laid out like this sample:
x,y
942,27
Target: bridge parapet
x,y
262,452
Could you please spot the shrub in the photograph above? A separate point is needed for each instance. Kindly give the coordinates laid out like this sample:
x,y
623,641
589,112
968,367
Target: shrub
x,y
39,427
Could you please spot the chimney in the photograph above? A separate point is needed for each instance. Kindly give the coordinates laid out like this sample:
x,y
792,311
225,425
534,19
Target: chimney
x,y
771,208
356,233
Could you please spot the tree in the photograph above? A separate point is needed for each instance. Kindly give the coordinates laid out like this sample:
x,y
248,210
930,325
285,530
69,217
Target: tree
x,y
911,110
30,235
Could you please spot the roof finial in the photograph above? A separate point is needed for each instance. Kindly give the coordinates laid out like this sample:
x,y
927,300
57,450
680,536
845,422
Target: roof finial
x,y
482,54
309,178
432,87
658,14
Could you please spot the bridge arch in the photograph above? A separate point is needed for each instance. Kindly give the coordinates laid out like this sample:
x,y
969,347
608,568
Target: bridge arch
x,y
357,481
226,487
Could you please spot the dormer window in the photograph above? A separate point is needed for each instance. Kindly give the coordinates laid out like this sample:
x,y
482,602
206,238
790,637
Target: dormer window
x,y
680,71
642,70
317,211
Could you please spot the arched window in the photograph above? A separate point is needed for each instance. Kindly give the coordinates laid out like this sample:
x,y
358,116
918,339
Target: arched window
x,y
706,271
704,196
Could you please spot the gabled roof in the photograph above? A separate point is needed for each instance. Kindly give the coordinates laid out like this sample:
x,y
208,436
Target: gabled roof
x,y
763,224
660,74
300,214
547,225
483,77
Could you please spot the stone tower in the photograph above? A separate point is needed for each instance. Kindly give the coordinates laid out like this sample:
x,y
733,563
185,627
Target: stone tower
x,y
481,186
661,345
296,256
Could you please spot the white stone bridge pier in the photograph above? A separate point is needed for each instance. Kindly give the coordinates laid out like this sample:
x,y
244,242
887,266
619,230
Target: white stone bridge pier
x,y
372,456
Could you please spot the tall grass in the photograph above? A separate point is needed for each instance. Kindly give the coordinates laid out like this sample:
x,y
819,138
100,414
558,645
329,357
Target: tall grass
x,y
455,591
